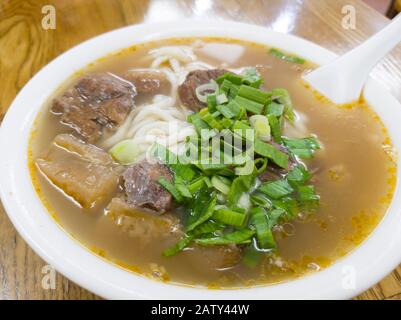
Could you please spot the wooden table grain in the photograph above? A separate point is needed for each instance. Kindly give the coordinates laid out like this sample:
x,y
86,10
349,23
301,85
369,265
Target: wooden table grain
x,y
25,47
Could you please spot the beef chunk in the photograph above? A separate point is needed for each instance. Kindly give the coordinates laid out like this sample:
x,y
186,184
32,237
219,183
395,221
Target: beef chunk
x,y
144,226
194,79
95,102
213,257
147,81
143,189
83,171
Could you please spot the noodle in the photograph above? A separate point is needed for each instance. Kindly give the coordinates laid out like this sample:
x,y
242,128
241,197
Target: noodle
x,y
163,120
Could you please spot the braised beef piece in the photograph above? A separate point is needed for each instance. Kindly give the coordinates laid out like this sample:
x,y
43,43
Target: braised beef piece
x,y
143,226
143,189
194,79
274,172
95,102
84,172
147,81
213,257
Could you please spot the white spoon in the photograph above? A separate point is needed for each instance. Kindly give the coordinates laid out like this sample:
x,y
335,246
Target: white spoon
x,y
343,79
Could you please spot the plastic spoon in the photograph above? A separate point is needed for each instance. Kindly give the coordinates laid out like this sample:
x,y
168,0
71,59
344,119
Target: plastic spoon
x,y
343,79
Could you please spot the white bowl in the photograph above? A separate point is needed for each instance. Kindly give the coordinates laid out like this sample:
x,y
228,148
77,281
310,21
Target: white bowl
x,y
371,261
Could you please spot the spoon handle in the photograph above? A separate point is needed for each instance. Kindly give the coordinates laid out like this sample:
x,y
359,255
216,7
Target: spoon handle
x,y
343,79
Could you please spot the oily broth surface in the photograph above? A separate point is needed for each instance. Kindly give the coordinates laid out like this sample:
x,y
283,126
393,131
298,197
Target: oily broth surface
x,y
354,176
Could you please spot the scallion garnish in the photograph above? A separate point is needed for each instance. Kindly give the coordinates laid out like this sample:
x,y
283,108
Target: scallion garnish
x,y
303,148
286,57
238,140
276,189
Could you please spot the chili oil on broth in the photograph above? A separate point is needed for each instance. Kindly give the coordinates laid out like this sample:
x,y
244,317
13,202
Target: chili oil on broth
x,y
353,173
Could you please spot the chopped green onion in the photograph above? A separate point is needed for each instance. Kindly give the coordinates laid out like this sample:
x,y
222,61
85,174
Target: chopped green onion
x,y
225,86
236,237
268,151
196,185
180,245
249,105
275,109
226,123
229,217
286,57
221,98
298,175
233,91
221,184
303,148
287,204
210,168
202,210
276,189
207,227
230,110
307,194
170,188
261,125
261,200
262,168
251,256
241,129
207,182
283,97
274,216
203,90
211,101
264,234
252,78
239,186
275,127
210,119
184,172
254,94
183,190
233,78
245,170
125,152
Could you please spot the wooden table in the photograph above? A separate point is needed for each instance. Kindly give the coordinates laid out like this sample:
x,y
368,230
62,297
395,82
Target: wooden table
x,y
25,47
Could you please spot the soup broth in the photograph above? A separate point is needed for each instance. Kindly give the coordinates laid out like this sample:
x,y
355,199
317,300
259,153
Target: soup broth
x,y
353,173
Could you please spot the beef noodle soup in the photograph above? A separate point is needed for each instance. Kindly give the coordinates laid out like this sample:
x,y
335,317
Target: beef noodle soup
x,y
209,162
